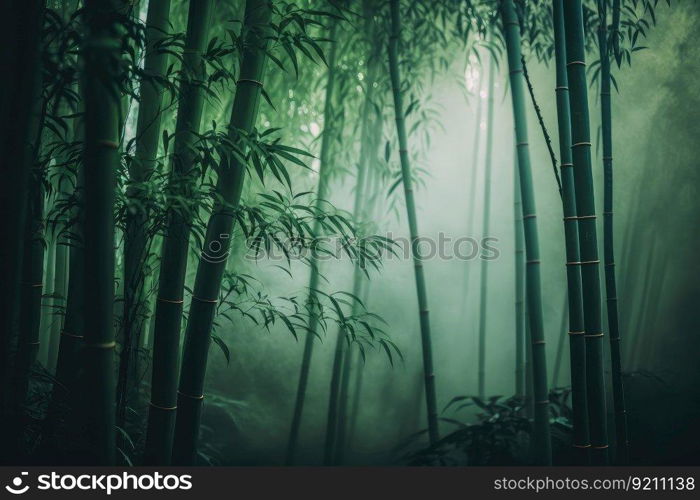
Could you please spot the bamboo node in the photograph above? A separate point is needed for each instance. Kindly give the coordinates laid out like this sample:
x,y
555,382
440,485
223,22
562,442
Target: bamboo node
x,y
575,263
590,262
67,334
561,87
583,217
538,342
581,144
529,216
514,71
403,150
532,262
198,398
170,301
600,447
206,301
32,285
248,80
572,63
570,217
563,165
164,408
610,299
103,345
582,445
591,335
577,332
34,343
108,143
607,158
522,144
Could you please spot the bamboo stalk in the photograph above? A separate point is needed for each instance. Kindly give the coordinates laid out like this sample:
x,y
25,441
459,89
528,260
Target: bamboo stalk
x,y
219,228
543,447
173,265
577,342
520,366
585,213
426,341
621,435
136,239
314,275
101,50
483,278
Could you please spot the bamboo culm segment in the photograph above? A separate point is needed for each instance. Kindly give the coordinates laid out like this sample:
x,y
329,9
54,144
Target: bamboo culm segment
x,y
519,237
577,342
483,279
621,436
173,267
219,228
314,277
426,341
102,46
136,241
542,439
588,242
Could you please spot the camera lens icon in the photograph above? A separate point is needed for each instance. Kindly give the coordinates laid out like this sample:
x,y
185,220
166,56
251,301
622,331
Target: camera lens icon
x,y
216,252
16,487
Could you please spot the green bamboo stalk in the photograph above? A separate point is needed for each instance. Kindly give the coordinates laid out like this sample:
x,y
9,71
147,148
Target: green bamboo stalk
x,y
101,50
559,355
60,283
621,436
428,372
577,342
321,194
219,228
136,239
585,213
173,263
483,278
476,145
543,446
47,305
520,367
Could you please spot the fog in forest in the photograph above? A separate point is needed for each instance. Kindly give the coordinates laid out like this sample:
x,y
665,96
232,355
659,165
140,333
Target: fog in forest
x,y
656,206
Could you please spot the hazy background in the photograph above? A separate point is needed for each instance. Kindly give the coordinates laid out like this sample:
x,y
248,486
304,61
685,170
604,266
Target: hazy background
x,y
655,122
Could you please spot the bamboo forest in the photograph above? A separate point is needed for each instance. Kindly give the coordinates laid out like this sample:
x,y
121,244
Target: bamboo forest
x,y
349,232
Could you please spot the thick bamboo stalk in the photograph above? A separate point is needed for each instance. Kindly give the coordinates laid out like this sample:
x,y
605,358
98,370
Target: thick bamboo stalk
x,y
577,342
485,227
136,239
588,242
321,194
219,228
426,341
543,447
101,50
173,264
621,437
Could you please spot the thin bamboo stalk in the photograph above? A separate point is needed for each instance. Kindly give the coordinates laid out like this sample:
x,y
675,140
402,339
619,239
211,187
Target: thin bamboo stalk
x,y
485,227
314,275
543,446
621,435
426,341
520,365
